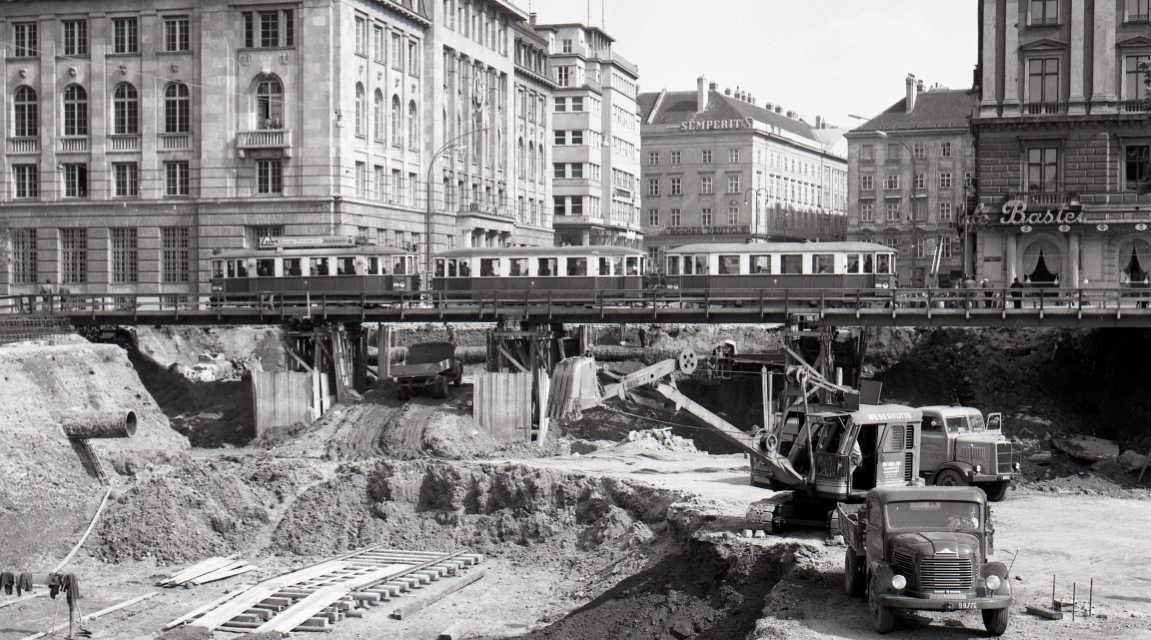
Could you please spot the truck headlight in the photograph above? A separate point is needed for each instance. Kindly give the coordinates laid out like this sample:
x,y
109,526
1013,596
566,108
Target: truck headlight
x,y
1016,466
993,582
898,582
978,468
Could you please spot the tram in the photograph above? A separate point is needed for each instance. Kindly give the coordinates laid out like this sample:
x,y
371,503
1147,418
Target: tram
x,y
539,269
781,265
324,264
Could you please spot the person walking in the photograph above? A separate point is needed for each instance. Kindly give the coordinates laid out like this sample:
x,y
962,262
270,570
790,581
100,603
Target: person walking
x,y
970,286
988,294
46,293
1017,293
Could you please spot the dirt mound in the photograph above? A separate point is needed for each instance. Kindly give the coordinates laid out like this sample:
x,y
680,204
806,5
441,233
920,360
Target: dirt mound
x,y
48,493
245,348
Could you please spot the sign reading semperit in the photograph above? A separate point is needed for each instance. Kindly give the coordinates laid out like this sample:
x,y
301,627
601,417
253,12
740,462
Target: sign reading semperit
x,y
717,125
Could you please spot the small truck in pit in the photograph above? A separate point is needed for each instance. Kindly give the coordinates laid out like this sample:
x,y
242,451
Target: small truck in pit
x,y
924,548
959,448
429,366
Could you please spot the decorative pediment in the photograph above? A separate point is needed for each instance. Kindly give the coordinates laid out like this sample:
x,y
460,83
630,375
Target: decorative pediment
x,y
1043,44
1134,41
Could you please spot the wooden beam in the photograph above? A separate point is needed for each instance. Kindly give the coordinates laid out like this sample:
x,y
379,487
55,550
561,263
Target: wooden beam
x,y
511,359
211,605
415,605
115,607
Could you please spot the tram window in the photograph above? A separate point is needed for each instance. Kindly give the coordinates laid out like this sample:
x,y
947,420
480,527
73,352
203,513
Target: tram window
x,y
577,266
548,267
688,263
701,265
632,265
439,273
241,269
867,268
610,267
673,265
823,263
882,263
517,267
345,266
373,265
452,267
853,263
292,267
761,264
318,266
489,267
232,268
265,268
398,266
729,265
465,268
217,268
792,263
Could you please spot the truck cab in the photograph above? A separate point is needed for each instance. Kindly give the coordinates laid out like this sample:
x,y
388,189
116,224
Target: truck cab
x,y
924,548
960,448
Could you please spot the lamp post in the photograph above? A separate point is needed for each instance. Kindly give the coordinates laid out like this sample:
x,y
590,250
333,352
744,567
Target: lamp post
x,y
451,144
755,211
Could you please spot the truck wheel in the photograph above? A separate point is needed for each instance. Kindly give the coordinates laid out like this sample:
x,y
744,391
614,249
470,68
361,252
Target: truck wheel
x,y
882,616
458,376
441,387
950,478
853,577
996,491
404,394
995,620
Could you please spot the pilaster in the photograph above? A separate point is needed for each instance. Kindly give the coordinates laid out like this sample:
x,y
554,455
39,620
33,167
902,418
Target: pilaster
x,y
1011,61
989,106
1076,101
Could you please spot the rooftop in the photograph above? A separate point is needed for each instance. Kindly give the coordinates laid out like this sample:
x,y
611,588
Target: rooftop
x,y
680,106
934,109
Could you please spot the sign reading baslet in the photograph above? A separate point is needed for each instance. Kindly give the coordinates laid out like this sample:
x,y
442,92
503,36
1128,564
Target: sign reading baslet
x,y
716,125
1015,213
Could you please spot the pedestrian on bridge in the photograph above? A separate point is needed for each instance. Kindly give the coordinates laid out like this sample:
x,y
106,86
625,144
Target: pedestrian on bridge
x,y
988,295
1017,293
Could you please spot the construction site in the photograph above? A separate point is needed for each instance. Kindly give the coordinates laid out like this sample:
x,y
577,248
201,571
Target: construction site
x,y
602,481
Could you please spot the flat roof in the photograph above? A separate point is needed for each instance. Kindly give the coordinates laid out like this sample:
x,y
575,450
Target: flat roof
x,y
543,252
780,247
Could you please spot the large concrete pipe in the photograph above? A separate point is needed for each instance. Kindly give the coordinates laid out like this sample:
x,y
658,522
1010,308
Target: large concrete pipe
x,y
104,424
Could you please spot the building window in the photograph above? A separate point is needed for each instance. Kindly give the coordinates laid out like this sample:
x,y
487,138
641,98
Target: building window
x,y
561,105
674,218
270,105
867,152
892,242
560,171
269,176
397,122
733,184
361,180
125,35
176,254
75,111
413,58
26,110
706,156
413,126
919,209
867,182
705,185
653,186
920,181
893,212
177,34
127,179
705,216
1044,12
27,178
866,212
733,155
73,256
397,51
24,258
75,180
1134,87
944,180
1138,166
920,247
733,215
946,149
563,76
653,158
945,247
25,45
361,114
891,182
1043,169
1137,11
75,37
177,109
675,157
577,105
918,149
567,45
577,138
361,36
944,211
676,186
560,205
378,42
653,217
126,110
894,151
125,255
177,179
577,205
378,114
1042,80
264,29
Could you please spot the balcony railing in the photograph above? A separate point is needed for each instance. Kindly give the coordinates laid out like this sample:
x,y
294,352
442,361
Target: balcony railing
x,y
1134,106
175,141
1043,108
505,211
1042,198
264,139
23,145
74,144
124,143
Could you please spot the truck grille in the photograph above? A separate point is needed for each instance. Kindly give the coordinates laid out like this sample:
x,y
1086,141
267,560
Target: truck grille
x,y
945,573
908,459
909,438
904,561
897,438
1004,457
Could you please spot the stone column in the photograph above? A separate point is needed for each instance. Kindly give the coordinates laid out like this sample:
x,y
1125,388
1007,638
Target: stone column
x,y
1076,101
988,107
1011,241
1011,60
1103,95
1073,260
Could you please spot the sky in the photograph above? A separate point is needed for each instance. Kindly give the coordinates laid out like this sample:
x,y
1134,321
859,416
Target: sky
x,y
816,57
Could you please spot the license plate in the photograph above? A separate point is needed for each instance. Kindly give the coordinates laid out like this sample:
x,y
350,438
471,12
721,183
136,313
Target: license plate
x,y
965,605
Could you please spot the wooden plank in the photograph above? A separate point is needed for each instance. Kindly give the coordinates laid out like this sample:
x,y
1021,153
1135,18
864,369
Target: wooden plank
x,y
307,573
22,599
296,614
115,607
1044,612
409,608
225,612
196,570
222,574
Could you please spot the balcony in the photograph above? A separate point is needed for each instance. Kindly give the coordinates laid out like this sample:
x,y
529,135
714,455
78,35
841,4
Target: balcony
x,y
175,141
124,143
23,145
1042,199
260,142
503,211
1043,108
1135,106
74,144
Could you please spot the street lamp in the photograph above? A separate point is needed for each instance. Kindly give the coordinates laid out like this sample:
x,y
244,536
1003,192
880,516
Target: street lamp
x,y
755,211
451,144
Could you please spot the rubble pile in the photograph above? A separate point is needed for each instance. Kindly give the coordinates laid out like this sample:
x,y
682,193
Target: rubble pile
x,y
663,437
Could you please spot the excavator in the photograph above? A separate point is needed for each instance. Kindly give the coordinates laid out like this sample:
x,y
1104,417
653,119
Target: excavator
x,y
822,448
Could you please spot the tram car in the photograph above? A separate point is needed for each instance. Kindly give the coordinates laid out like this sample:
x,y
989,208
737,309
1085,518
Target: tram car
x,y
781,265
558,269
329,264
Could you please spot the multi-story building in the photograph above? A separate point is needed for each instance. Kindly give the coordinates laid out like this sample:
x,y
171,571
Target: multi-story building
x,y
534,88
1063,142
140,139
909,169
719,168
596,150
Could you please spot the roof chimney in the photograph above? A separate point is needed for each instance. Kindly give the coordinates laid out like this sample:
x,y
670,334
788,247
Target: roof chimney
x,y
727,91
778,109
919,86
532,19
701,94
911,92
714,86
818,122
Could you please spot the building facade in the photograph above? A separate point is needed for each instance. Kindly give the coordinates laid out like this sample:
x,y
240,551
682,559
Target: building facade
x,y
719,168
1063,143
596,137
909,171
142,139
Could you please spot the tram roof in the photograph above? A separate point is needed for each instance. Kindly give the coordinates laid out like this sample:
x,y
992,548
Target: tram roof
x,y
782,247
543,252
307,252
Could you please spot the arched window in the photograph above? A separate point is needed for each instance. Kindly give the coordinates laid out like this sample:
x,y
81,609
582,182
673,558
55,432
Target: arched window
x,y
361,129
126,110
270,105
75,111
520,159
413,126
177,109
379,115
397,124
27,113
531,161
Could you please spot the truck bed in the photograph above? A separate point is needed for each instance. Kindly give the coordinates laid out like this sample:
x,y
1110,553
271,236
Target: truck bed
x,y
850,526
421,370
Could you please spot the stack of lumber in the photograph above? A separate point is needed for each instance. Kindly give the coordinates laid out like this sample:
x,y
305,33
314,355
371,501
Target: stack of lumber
x,y
209,570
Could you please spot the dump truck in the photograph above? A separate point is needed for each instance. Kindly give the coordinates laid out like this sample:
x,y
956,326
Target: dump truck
x,y
959,448
428,367
924,548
